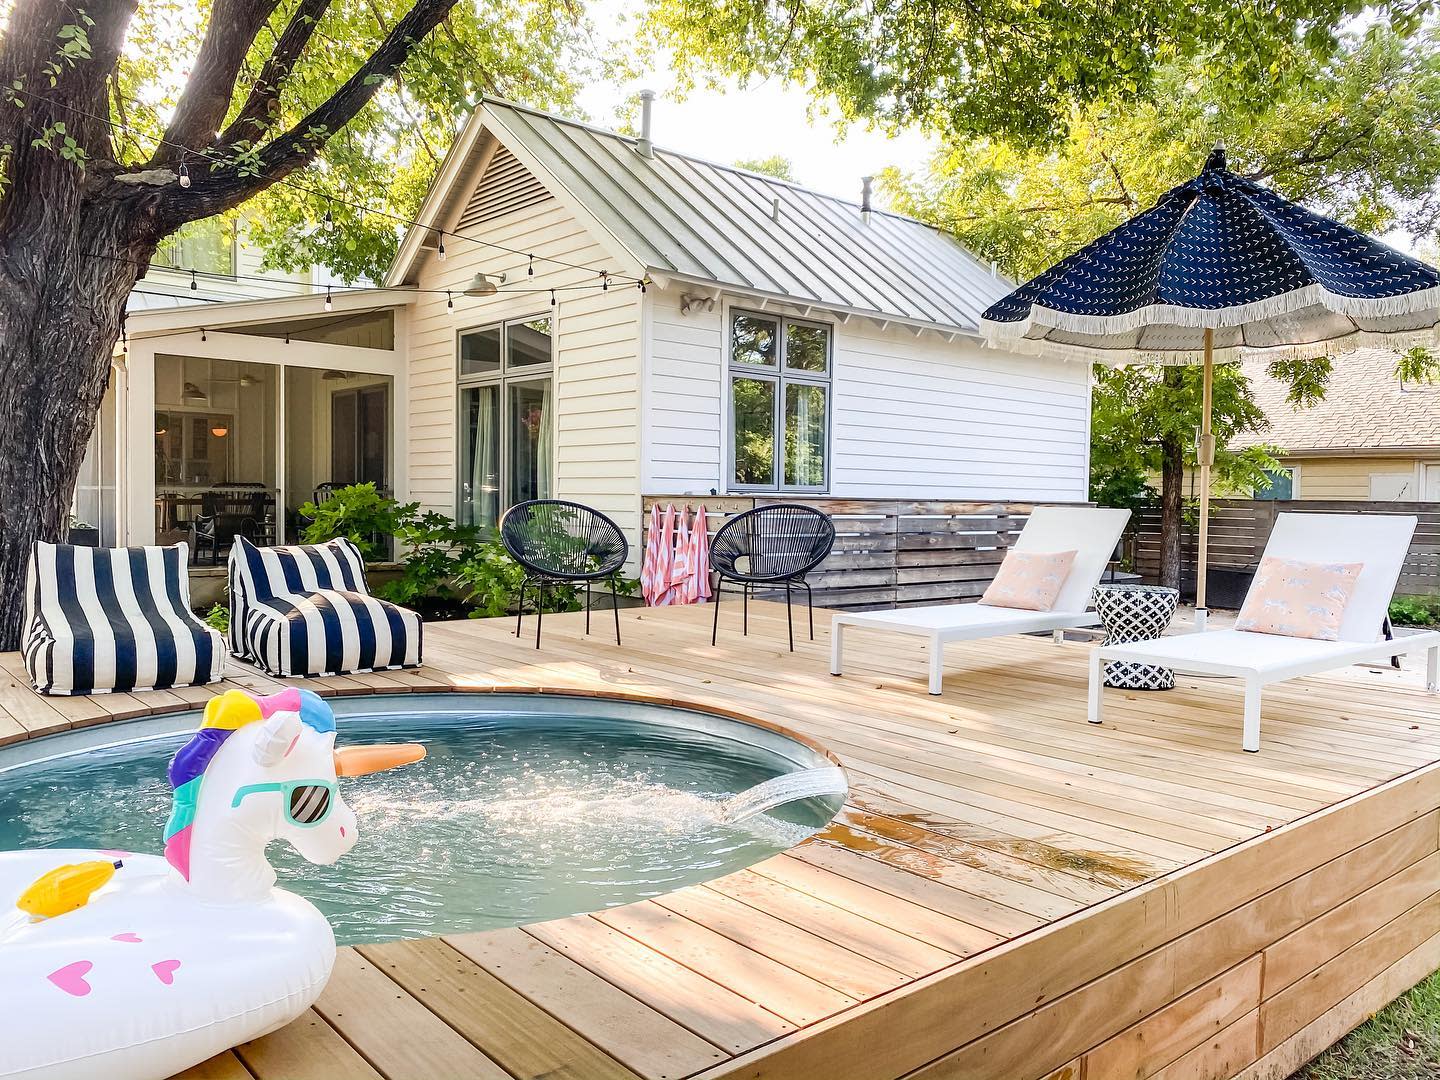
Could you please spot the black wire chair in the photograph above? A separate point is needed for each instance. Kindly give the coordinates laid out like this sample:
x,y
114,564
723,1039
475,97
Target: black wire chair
x,y
766,548
563,543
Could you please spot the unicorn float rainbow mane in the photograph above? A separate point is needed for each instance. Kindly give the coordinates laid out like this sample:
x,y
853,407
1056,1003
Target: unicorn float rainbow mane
x,y
224,716
164,962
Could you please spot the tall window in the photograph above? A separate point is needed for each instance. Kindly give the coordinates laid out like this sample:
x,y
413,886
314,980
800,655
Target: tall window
x,y
779,403
207,245
507,417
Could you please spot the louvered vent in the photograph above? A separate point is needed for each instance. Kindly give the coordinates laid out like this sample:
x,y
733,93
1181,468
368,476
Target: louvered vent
x,y
506,187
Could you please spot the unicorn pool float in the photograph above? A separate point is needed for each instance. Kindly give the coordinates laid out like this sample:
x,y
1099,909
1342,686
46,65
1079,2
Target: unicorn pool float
x,y
134,966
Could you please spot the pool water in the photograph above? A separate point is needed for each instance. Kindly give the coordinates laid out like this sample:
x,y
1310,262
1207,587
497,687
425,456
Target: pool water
x,y
520,812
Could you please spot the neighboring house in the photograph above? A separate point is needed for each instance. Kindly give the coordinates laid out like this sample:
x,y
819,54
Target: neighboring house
x,y
786,343
1372,437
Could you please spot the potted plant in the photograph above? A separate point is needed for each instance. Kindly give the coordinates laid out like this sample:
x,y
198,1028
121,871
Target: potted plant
x,y
83,534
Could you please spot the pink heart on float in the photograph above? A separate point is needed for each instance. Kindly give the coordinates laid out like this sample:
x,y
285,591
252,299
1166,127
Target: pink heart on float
x,y
129,936
71,978
165,970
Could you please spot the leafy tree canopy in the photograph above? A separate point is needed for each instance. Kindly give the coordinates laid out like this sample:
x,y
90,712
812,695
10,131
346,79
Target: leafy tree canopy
x,y
1017,67
533,50
1350,134
776,165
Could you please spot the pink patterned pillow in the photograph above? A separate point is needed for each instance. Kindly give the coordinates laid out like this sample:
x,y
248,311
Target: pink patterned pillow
x,y
1299,599
1029,580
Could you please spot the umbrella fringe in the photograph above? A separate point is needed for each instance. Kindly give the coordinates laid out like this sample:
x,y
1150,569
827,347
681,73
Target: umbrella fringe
x,y
1128,356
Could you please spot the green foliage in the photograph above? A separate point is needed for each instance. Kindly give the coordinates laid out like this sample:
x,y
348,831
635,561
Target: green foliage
x,y
1415,611
776,165
360,514
445,568
1017,69
1348,133
218,618
1135,409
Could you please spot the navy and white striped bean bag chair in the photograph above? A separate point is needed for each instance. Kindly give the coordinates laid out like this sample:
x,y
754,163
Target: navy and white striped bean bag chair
x,y
103,619
306,610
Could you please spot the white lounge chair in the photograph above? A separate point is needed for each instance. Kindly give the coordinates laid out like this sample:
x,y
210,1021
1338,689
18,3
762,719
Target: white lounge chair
x,y
1091,532
1379,541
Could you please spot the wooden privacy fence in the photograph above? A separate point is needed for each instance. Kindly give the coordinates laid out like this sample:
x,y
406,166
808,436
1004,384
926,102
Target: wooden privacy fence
x,y
1239,529
890,552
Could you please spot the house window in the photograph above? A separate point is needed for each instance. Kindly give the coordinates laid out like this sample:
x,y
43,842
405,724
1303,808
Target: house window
x,y
780,372
507,417
1281,485
207,245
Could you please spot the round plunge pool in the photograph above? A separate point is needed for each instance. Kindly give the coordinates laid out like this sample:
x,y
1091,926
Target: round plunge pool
x,y
527,806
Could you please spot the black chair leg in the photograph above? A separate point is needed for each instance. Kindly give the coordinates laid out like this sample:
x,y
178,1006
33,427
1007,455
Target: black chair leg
x,y
789,619
587,607
745,617
715,626
539,611
615,607
810,607
520,608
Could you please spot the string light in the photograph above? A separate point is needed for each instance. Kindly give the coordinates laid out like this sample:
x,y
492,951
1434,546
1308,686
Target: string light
x,y
531,271
440,250
194,285
604,280
184,174
329,303
329,219
450,303
552,297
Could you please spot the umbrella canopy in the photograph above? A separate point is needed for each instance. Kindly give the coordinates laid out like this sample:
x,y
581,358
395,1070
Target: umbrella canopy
x,y
1219,253
1220,267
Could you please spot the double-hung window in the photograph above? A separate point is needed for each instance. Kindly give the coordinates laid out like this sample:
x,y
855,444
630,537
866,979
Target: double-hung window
x,y
780,371
506,417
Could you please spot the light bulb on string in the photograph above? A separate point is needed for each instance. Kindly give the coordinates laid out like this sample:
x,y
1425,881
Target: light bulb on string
x,y
194,285
552,297
184,174
531,271
329,303
450,302
440,250
604,280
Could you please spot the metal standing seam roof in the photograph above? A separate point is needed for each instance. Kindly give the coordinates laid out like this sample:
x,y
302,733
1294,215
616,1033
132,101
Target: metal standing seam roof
x,y
712,223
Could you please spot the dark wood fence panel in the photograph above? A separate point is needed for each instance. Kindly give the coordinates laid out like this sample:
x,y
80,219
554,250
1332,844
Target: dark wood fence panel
x,y
891,552
1240,528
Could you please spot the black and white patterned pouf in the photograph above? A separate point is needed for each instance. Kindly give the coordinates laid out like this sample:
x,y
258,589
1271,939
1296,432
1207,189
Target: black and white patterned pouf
x,y
1133,613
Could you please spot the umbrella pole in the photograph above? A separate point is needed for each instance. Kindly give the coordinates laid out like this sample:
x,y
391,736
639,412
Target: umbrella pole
x,y
1207,459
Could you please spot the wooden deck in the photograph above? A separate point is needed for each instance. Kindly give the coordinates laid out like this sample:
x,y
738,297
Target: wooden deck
x,y
1009,894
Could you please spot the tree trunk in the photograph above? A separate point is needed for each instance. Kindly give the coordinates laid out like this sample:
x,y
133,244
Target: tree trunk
x,y
59,318
1172,485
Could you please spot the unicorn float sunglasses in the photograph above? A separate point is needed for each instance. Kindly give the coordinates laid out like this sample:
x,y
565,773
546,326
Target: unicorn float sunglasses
x,y
308,802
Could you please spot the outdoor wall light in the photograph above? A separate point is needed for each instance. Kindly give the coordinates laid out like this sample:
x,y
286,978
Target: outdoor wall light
x,y
219,431
484,285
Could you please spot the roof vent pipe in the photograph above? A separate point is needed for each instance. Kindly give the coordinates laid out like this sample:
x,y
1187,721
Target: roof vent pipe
x,y
643,145
865,182
775,209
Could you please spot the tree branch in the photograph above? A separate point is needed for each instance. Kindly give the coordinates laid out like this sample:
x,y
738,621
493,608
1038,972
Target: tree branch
x,y
215,191
262,106
233,27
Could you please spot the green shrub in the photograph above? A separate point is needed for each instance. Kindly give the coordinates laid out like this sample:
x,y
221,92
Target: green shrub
x,y
360,514
218,618
1415,611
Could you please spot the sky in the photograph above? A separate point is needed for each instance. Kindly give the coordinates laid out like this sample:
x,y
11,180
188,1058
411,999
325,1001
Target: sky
x,y
759,121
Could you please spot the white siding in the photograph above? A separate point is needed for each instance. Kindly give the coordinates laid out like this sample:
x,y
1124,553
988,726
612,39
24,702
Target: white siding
x,y
596,355
914,417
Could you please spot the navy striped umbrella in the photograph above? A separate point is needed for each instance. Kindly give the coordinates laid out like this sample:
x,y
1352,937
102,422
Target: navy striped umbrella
x,y
1220,268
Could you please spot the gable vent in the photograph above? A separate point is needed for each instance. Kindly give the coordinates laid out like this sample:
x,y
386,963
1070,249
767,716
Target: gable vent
x,y
507,186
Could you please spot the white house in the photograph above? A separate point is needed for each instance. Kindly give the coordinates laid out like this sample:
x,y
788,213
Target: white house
x,y
783,341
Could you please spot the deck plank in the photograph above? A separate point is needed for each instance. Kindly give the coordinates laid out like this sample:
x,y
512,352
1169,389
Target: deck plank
x,y
996,856
517,1034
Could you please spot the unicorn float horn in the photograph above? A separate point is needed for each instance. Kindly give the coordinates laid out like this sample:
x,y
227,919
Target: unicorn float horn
x,y
364,760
